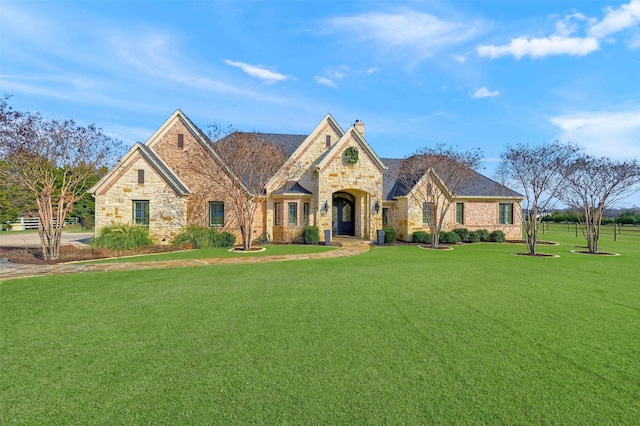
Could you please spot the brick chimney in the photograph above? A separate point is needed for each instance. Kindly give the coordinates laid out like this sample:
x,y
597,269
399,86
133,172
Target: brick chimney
x,y
359,125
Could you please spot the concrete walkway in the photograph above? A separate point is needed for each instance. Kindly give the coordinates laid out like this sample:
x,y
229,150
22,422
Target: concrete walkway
x,y
350,247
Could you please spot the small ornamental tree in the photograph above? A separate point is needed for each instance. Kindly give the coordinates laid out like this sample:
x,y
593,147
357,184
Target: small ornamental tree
x,y
539,172
53,160
250,160
434,176
595,184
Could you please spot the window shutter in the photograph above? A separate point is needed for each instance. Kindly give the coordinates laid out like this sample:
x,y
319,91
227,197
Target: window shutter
x,y
141,176
180,140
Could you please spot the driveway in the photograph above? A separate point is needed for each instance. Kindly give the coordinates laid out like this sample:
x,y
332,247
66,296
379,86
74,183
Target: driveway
x,y
32,239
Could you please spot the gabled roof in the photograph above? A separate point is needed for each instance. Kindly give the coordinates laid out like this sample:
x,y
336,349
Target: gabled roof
x,y
476,185
326,160
201,137
302,144
150,157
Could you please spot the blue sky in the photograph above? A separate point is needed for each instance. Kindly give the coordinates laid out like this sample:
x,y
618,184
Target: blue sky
x,y
470,74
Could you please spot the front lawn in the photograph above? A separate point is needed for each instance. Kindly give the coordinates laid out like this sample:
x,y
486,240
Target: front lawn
x,y
397,335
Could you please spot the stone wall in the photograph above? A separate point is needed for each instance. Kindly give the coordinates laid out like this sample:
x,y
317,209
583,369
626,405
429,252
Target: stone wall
x,y
204,177
167,210
362,180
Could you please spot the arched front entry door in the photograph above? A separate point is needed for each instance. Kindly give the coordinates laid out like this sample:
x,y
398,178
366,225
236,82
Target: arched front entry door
x,y
343,214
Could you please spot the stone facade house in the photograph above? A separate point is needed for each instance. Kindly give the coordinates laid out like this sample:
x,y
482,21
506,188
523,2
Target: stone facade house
x,y
331,179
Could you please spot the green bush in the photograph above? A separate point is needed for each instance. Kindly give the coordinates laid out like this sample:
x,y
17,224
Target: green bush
x,y
421,237
449,238
497,236
200,237
389,235
311,235
122,237
463,233
483,234
474,237
227,239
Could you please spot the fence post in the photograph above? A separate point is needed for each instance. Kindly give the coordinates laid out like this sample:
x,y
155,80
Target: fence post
x,y
615,232
576,230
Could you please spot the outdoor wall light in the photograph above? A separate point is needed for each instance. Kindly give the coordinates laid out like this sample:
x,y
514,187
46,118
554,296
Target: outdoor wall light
x,y
325,208
377,207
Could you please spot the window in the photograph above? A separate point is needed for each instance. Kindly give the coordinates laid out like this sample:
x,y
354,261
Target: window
x,y
140,177
305,213
385,216
293,214
277,219
141,212
328,141
505,216
180,140
460,213
427,213
216,213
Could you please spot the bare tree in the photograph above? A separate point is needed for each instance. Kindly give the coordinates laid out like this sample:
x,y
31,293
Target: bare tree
x,y
249,161
595,184
538,171
54,160
436,176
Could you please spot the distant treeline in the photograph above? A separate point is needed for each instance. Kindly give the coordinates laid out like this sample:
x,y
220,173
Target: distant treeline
x,y
625,217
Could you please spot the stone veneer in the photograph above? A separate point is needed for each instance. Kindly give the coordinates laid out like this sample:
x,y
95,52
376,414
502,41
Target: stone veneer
x,y
167,210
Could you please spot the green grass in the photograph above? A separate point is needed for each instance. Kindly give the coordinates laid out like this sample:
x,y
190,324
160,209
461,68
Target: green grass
x,y
397,335
207,253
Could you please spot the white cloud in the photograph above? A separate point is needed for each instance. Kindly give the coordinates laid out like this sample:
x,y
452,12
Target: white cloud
x,y
616,20
372,70
258,71
634,42
459,59
407,31
541,47
614,134
564,42
483,92
325,81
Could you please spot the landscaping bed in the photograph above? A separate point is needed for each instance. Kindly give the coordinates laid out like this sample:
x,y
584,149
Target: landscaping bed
x,y
69,253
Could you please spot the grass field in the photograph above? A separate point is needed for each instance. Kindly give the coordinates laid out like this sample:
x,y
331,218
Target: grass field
x,y
397,335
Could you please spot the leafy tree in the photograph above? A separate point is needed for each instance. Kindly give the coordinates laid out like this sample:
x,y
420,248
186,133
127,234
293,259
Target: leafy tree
x,y
250,160
53,161
85,208
435,176
595,184
537,171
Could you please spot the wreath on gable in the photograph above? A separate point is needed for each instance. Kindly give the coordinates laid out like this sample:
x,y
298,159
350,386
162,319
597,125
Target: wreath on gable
x,y
351,154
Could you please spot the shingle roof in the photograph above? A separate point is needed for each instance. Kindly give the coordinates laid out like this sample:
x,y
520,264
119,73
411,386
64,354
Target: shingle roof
x,y
477,185
288,142
292,187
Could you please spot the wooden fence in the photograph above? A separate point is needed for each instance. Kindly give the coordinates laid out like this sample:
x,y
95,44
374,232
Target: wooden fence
x,y
610,230
34,223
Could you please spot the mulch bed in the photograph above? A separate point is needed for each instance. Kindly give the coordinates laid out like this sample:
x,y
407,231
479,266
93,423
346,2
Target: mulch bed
x,y
33,255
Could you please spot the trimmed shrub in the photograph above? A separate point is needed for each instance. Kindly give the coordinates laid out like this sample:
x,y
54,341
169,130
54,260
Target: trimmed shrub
x,y
200,237
497,236
227,239
311,234
389,235
463,233
473,237
122,237
449,238
421,237
483,234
